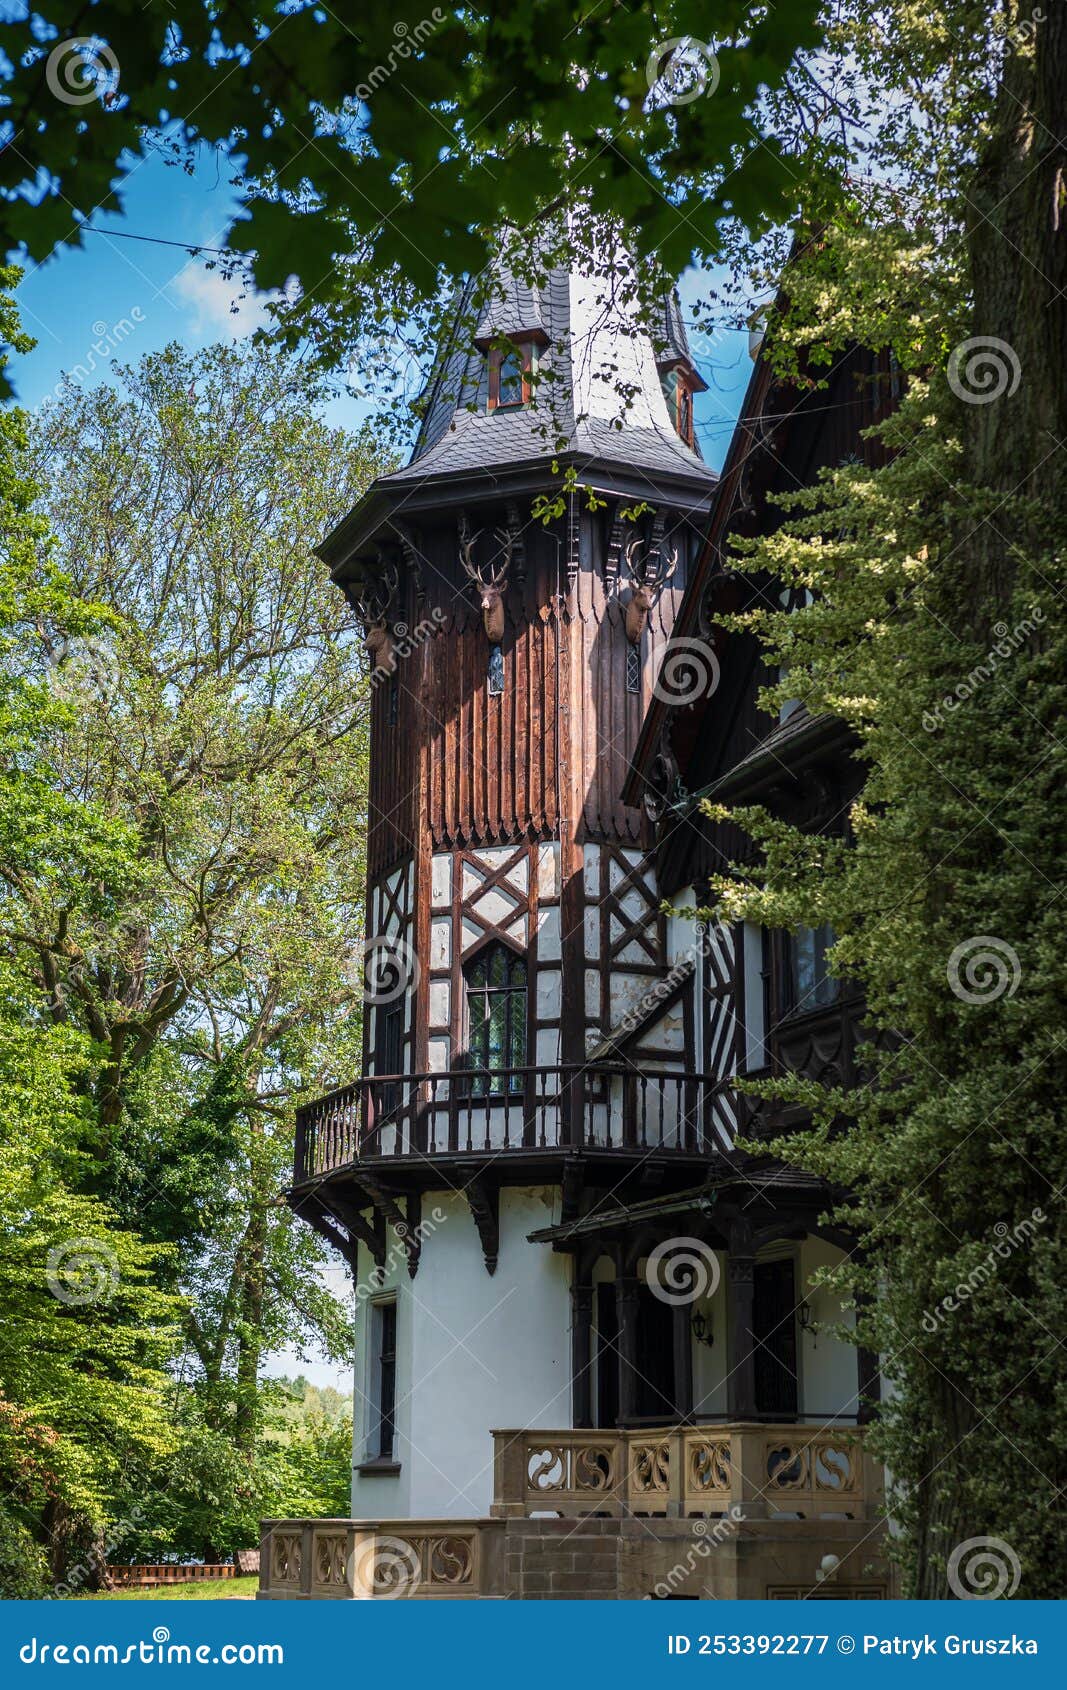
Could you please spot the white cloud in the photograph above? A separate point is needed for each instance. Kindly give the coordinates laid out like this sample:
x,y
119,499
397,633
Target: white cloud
x,y
217,304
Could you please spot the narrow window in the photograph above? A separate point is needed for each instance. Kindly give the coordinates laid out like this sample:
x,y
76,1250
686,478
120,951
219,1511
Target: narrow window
x,y
685,414
383,1382
496,671
496,1010
394,698
510,371
812,985
633,669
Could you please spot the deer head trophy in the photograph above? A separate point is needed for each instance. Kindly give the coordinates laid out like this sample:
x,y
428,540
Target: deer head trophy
x,y
646,583
373,607
492,587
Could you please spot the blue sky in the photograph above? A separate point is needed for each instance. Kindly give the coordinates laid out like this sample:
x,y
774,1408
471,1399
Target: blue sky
x,y
114,298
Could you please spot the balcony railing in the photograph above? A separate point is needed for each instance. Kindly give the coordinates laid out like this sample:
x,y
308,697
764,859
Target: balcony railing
x,y
766,1471
603,1107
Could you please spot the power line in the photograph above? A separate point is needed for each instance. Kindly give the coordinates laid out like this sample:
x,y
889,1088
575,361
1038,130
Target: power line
x,y
157,240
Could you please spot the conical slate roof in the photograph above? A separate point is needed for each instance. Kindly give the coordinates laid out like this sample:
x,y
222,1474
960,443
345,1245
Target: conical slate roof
x,y
588,349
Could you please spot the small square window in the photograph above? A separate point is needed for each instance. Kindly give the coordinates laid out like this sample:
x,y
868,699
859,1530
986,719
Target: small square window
x,y
496,671
633,669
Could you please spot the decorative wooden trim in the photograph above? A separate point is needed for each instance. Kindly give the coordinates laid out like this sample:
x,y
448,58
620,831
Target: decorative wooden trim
x,y
484,1201
385,1201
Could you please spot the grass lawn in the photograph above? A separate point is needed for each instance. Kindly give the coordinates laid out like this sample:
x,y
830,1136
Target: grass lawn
x,y
210,1590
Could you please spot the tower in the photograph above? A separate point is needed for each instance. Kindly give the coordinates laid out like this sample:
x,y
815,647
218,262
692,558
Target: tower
x,y
514,931
582,1332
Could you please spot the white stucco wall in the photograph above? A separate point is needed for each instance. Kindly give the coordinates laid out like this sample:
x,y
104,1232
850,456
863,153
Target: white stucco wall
x,y
474,1353
828,1368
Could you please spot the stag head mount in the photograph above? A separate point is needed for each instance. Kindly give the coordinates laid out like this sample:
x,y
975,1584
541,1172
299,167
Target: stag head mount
x,y
646,581
373,607
490,583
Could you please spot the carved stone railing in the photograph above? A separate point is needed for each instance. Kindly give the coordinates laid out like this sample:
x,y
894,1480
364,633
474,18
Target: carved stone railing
x,y
807,1471
312,1560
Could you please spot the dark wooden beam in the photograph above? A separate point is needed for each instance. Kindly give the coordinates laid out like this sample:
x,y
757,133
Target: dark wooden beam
x,y
582,1354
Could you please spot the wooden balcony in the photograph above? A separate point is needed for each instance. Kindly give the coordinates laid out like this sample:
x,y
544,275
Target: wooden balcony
x,y
604,1107
686,1472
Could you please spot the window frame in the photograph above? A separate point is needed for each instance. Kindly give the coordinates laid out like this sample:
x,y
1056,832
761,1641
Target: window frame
x,y
525,352
516,1030
381,1418
816,1001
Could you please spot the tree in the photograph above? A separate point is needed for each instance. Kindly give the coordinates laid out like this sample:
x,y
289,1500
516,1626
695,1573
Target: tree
x,y
937,633
200,934
410,142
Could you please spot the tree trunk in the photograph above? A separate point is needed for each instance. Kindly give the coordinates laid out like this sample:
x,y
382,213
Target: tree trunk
x,y
1013,447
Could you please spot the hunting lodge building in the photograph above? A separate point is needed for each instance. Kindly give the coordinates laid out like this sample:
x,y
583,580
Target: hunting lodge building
x,y
590,1355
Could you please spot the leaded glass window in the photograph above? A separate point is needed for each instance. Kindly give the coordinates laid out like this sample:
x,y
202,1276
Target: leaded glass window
x,y
496,1008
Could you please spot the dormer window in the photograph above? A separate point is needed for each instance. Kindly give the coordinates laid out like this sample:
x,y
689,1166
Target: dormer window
x,y
510,372
678,392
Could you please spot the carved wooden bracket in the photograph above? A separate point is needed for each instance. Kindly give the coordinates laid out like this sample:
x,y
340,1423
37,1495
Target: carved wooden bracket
x,y
518,544
409,546
484,1203
385,1201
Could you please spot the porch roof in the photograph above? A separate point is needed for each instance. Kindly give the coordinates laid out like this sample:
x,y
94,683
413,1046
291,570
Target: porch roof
x,y
730,1177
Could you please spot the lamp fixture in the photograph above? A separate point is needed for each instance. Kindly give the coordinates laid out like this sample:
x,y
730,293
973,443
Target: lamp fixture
x,y
702,1329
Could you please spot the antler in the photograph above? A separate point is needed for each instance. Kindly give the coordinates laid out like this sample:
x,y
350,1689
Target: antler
x,y
372,606
466,549
669,571
507,540
635,573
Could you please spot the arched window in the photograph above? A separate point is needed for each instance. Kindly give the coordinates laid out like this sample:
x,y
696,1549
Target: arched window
x,y
496,1015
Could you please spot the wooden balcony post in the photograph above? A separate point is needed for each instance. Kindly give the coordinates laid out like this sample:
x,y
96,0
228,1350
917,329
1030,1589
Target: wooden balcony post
x,y
626,1292
683,1360
741,1383
582,1354
300,1170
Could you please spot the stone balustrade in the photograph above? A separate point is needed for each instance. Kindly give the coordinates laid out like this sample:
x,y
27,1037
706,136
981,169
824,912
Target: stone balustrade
x,y
313,1560
686,1472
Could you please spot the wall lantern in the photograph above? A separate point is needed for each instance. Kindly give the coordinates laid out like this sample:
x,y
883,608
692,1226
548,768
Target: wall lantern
x,y
702,1331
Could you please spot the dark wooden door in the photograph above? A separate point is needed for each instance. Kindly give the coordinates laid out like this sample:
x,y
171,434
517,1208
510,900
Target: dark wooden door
x,y
654,1395
774,1326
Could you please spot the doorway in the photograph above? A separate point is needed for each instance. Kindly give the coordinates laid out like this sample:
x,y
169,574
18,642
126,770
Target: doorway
x,y
774,1328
